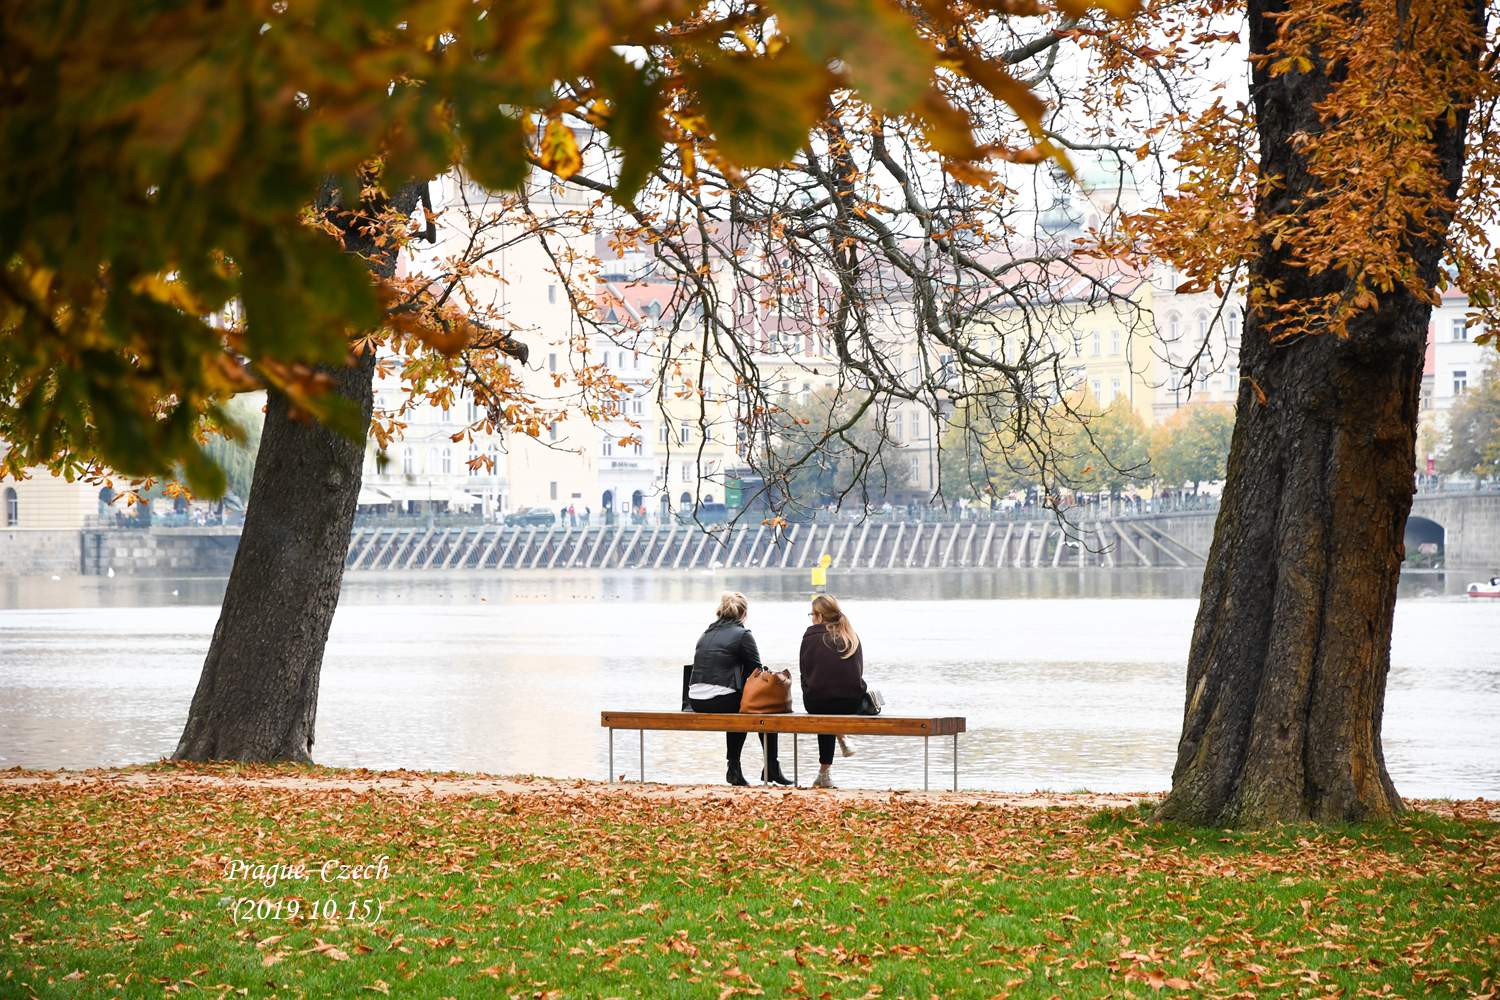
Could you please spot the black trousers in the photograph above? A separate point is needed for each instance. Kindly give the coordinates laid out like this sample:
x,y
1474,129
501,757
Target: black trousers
x,y
735,741
830,706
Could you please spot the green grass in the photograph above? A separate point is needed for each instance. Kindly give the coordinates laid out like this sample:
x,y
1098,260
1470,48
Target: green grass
x,y
110,891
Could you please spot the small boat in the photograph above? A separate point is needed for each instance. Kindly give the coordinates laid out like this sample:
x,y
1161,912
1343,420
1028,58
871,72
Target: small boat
x,y
1484,590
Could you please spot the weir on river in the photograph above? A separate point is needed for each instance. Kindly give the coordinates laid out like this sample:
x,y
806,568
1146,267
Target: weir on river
x,y
868,545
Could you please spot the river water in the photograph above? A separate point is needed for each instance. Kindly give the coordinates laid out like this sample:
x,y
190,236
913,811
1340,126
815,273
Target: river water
x,y
1068,679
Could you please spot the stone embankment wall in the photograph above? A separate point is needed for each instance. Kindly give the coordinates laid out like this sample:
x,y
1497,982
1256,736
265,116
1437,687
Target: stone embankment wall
x,y
164,550
38,552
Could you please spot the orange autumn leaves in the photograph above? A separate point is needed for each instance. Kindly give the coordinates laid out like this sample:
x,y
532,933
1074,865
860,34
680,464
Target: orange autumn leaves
x,y
1389,80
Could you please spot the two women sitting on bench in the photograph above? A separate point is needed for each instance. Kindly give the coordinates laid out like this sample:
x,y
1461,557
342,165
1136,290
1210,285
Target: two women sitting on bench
x,y
831,665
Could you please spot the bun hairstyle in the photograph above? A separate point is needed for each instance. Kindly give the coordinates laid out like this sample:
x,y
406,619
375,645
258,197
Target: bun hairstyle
x,y
733,607
842,633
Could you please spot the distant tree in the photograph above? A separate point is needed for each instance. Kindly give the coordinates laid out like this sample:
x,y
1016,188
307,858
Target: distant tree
x,y
857,463
982,456
237,455
1109,450
1192,445
1471,443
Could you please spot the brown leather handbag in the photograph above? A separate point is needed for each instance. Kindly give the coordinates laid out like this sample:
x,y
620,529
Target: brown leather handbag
x,y
767,693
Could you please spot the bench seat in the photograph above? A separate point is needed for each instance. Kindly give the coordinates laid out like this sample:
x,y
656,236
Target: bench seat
x,y
790,722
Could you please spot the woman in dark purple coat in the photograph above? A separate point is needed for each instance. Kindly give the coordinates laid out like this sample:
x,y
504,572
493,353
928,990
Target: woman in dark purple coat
x,y
832,667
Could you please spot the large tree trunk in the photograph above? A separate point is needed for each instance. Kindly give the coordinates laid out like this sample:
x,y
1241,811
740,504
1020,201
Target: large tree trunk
x,y
1287,668
257,697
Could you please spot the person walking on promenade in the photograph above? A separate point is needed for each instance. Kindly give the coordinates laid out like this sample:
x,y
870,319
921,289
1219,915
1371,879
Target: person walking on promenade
x,y
832,666
725,656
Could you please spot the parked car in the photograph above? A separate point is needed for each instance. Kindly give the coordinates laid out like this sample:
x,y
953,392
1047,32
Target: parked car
x,y
531,515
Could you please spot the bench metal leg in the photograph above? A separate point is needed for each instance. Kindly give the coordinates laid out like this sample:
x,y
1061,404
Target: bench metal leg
x,y
926,758
955,762
794,761
610,777
643,756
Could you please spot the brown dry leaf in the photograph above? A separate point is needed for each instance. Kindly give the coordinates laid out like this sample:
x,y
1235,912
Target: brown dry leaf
x,y
379,986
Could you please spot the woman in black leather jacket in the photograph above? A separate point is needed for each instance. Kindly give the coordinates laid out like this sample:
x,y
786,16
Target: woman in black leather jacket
x,y
726,655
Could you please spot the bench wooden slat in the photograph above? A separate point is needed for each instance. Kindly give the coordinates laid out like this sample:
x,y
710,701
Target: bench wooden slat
x,y
796,722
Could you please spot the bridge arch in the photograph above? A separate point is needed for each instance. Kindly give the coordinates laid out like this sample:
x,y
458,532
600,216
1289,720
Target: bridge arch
x,y
1423,531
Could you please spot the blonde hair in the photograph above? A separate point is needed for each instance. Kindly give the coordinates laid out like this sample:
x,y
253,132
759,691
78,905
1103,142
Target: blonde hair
x,y
733,606
838,626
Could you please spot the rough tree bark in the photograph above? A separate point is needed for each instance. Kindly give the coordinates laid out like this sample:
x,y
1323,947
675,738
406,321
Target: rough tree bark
x,y
257,698
1287,667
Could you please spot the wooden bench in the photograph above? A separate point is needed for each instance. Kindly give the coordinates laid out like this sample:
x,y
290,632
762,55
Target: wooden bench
x,y
794,723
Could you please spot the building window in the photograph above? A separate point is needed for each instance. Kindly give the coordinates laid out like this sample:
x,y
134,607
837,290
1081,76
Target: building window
x,y
1202,326
494,464
552,431
1114,388
664,432
708,432
473,465
916,470
607,447
1095,344
551,293
1234,326
685,433
12,508
1077,347
1460,330
1427,393
1114,342
1460,382
552,362
622,361
447,461
1094,387
408,462
896,427
432,461
687,473
916,426
553,487
1172,326
637,447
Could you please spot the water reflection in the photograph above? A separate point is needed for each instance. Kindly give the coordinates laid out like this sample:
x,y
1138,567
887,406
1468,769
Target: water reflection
x,y
1066,682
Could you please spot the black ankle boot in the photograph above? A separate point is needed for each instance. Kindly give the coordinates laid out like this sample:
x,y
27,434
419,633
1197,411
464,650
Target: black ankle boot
x,y
735,775
776,775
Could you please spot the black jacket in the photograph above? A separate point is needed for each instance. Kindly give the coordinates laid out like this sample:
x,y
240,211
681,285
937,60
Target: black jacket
x,y
725,656
826,673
